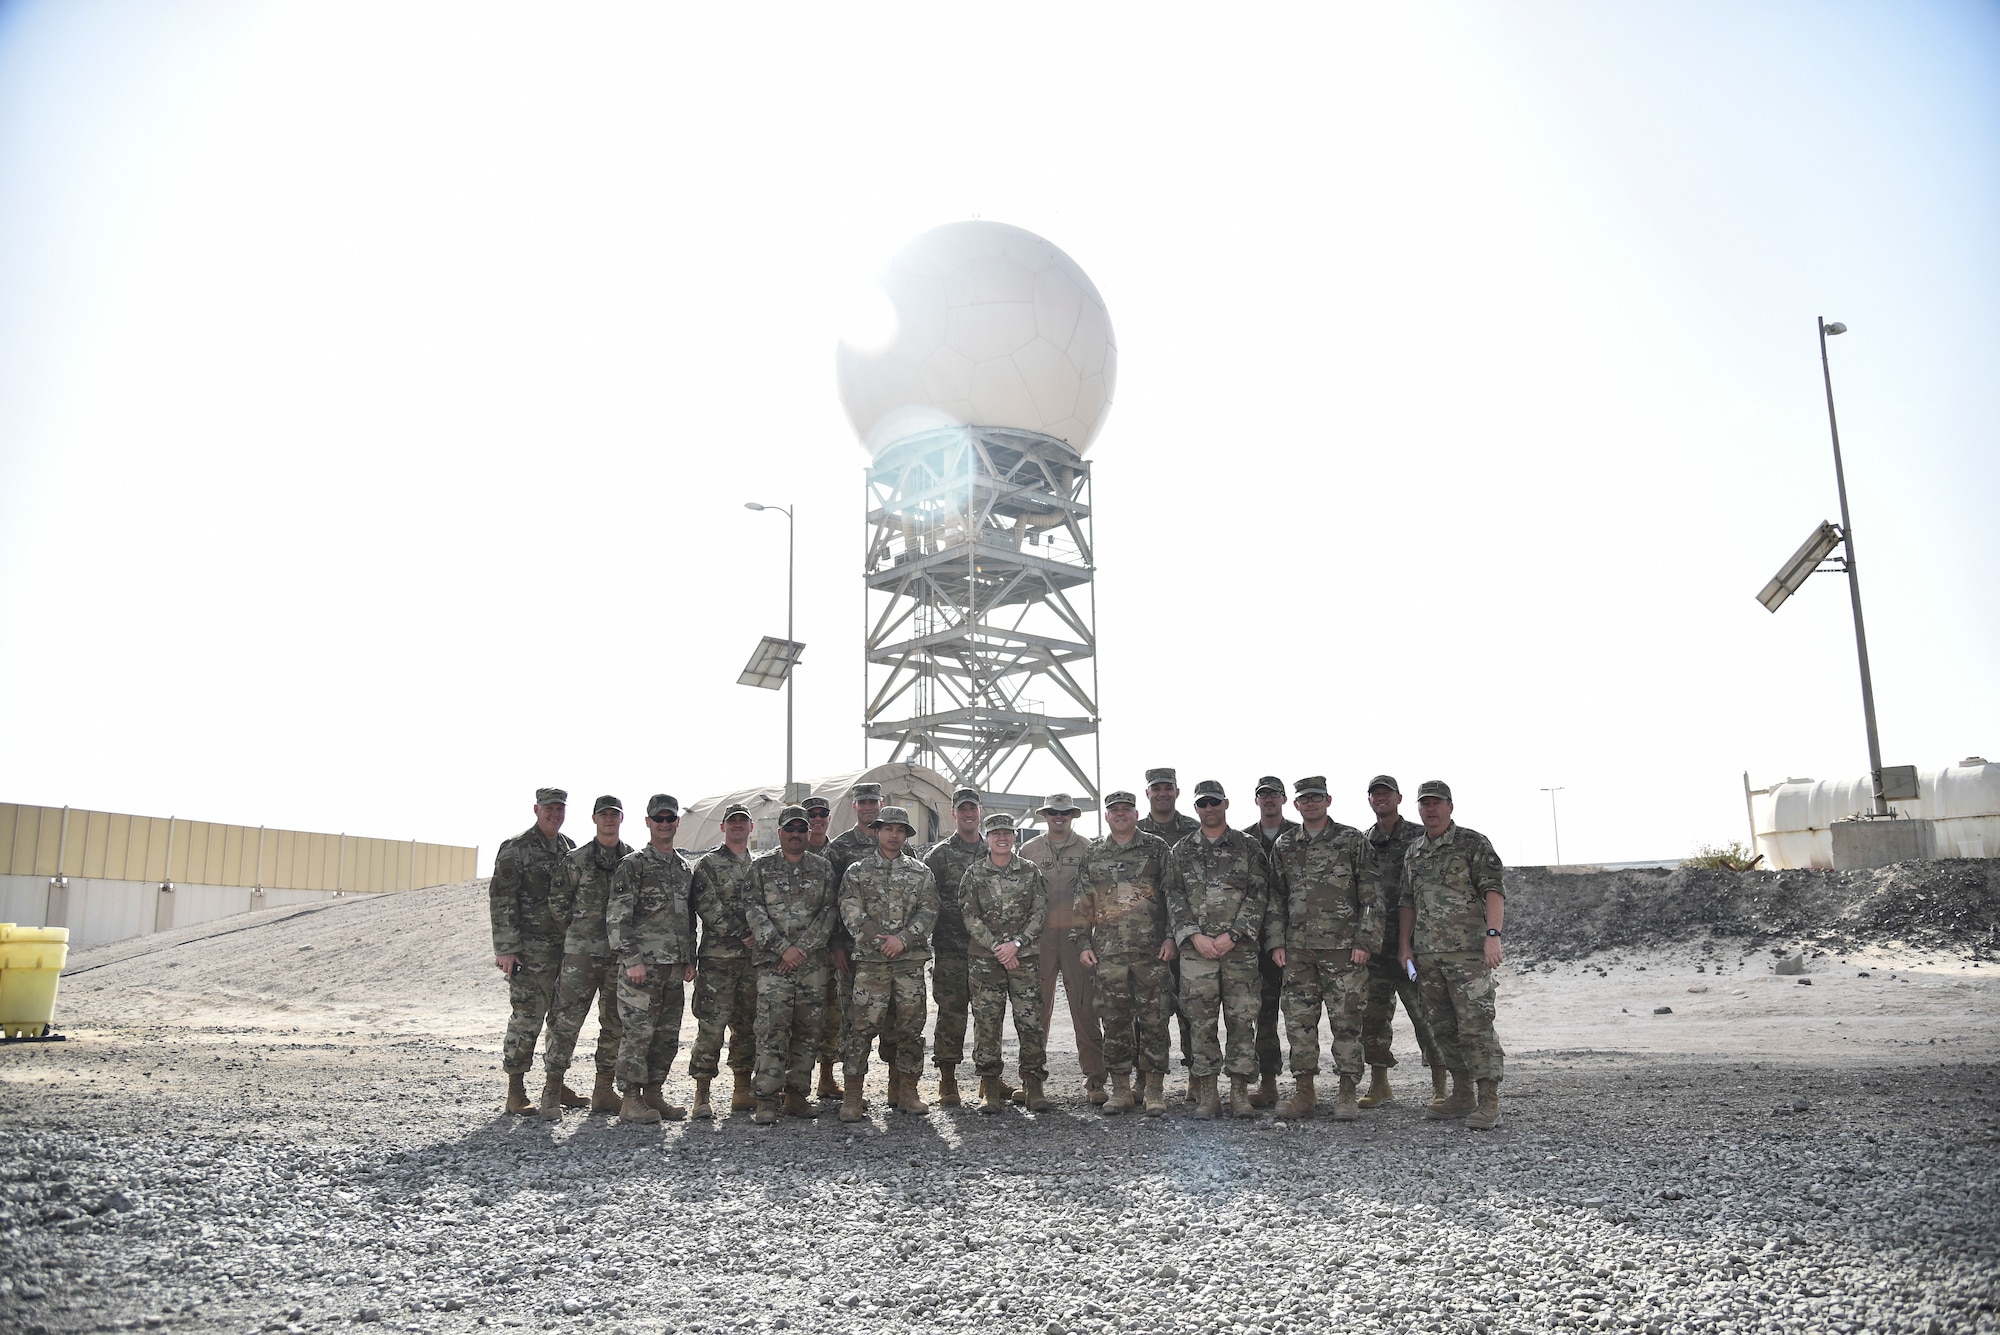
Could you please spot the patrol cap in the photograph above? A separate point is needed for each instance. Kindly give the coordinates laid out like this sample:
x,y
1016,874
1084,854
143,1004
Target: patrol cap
x,y
551,796
1154,776
865,792
1434,788
607,803
964,795
999,820
1385,781
1059,803
663,806
814,802
1208,788
1113,799
735,809
893,816
1270,783
790,814
1312,783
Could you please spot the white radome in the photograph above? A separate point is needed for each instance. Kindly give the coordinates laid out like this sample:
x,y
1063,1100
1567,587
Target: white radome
x,y
984,325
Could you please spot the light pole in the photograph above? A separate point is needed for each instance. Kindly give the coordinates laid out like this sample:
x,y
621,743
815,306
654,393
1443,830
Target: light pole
x,y
1553,825
1853,577
791,546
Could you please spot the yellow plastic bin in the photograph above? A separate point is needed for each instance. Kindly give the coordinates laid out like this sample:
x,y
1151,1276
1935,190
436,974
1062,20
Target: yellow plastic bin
x,y
31,960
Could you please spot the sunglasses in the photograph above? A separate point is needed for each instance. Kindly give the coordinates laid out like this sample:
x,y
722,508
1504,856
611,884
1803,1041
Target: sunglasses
x,y
665,817
818,813
1203,803
796,827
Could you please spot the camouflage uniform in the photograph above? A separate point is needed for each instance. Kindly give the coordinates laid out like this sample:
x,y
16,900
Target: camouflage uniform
x,y
1446,881
1270,978
789,904
1056,959
725,986
1173,831
1121,916
581,895
880,899
1006,904
842,851
650,922
1326,905
525,926
1219,888
1386,979
948,860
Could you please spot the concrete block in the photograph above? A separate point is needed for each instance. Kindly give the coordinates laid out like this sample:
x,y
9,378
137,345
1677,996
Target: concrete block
x,y
1878,843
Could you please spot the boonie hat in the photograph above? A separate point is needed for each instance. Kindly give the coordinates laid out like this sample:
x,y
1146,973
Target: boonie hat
x,y
865,792
893,816
1385,781
790,814
964,795
735,809
546,796
1208,788
1314,783
1270,783
607,803
662,805
999,820
1113,799
1154,776
1434,788
1059,803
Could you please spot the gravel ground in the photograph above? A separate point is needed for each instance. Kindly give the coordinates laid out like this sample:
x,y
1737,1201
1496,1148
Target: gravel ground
x,y
227,1157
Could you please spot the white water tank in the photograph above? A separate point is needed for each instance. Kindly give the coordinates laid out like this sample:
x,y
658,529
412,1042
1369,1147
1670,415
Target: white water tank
x,y
1793,820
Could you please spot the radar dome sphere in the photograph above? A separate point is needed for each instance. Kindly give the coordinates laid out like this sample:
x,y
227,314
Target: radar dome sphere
x,y
984,325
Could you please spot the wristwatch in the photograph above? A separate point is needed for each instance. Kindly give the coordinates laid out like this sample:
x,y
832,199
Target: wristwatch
x,y
1235,936
1493,931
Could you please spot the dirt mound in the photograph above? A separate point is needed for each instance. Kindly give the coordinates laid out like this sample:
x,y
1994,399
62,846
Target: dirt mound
x,y
1951,905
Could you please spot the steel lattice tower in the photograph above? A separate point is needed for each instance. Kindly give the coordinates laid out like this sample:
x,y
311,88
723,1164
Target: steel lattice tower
x,y
981,619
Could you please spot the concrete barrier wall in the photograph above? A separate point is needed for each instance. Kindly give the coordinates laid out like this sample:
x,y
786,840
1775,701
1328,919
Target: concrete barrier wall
x,y
98,911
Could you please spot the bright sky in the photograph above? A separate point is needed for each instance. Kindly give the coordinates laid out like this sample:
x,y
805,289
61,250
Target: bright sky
x,y
380,385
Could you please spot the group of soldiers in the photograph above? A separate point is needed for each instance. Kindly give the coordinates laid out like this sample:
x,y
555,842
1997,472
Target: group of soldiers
x,y
817,951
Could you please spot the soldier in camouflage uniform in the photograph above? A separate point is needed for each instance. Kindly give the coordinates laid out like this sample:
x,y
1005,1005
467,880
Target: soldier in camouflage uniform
x,y
1389,838
650,925
790,907
527,938
1168,822
889,902
1271,823
951,988
1059,855
1453,902
1218,889
725,985
580,895
1006,906
849,847
1325,923
1122,934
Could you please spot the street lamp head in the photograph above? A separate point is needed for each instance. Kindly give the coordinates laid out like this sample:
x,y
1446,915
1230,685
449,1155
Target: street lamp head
x,y
1836,328
752,505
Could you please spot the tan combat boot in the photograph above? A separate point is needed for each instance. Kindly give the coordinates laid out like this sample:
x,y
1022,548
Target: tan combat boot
x,y
1486,1115
767,1111
741,1099
1209,1102
1031,1086
1093,1091
1379,1092
1119,1102
701,1112
551,1104
1437,1084
948,1089
1303,1100
604,1094
908,1098
517,1095
1346,1107
634,1108
1458,1104
656,1099
1239,1097
572,1099
1266,1092
853,1108
991,1100
798,1105
829,1088
1156,1093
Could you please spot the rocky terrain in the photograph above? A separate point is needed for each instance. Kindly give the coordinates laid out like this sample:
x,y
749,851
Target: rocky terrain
x,y
292,1123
